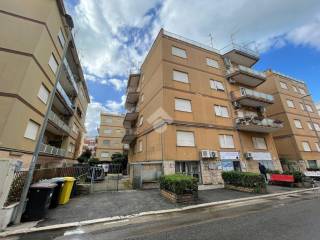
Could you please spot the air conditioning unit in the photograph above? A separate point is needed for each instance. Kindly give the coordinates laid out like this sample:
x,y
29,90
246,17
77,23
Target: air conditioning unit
x,y
248,155
213,154
205,154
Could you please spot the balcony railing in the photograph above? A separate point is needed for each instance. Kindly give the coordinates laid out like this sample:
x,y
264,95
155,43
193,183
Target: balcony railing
x,y
252,98
246,70
52,150
64,95
57,121
234,46
71,77
129,136
255,124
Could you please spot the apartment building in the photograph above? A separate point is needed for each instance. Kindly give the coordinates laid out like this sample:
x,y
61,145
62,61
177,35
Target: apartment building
x,y
111,132
299,141
91,144
33,35
318,108
193,109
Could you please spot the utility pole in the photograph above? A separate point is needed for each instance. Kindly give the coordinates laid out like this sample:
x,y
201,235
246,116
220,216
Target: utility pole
x,y
35,155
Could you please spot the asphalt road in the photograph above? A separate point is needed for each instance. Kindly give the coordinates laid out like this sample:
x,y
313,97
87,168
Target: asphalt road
x,y
295,217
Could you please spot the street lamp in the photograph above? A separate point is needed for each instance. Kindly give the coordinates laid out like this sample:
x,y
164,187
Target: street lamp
x,y
35,155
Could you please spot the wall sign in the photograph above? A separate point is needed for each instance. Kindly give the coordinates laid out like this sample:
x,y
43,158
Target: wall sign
x,y
261,156
229,155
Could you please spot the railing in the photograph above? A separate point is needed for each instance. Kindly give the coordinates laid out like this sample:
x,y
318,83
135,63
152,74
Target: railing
x,y
64,95
247,70
71,77
265,122
52,150
234,46
54,118
245,92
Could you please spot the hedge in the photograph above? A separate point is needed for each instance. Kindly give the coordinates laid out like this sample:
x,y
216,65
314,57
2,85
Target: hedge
x,y
244,179
179,183
298,176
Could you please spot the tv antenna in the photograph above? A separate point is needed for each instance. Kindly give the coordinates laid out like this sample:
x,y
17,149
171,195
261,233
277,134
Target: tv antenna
x,y
211,39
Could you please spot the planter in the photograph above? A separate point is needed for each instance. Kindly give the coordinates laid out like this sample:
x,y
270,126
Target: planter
x,y
7,215
187,198
245,189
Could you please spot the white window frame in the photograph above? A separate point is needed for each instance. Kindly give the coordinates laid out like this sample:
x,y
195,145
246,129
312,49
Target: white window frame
x,y
142,98
105,155
178,52
182,105
217,85
297,123
53,64
309,108
61,38
302,107
221,111
290,103
180,76
302,91
226,141
259,143
107,131
108,120
212,63
182,141
283,85
140,121
32,130
306,146
140,146
43,94
310,126
295,89
316,127
71,147
317,147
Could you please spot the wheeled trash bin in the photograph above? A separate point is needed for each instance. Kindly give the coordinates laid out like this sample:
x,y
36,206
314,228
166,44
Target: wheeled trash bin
x,y
66,190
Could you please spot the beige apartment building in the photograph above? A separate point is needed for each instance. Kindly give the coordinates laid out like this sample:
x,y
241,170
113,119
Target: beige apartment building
x,y
318,108
111,132
195,110
299,140
33,35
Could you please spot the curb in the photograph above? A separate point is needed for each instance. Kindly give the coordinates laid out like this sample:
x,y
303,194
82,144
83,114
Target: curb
x,y
149,213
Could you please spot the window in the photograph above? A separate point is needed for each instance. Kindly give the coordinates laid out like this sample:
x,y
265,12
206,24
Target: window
x,y
183,105
309,108
61,38
317,147
140,146
294,89
43,94
267,163
106,142
79,112
316,127
302,91
108,120
185,139
141,121
283,85
75,128
297,123
310,126
221,111
71,148
105,154
226,141
259,143
53,64
212,63
32,130
217,85
290,103
107,131
142,98
180,76
178,52
302,107
312,164
306,147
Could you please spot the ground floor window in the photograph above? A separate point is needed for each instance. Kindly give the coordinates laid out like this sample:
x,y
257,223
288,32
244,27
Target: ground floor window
x,y
312,164
191,168
230,165
267,163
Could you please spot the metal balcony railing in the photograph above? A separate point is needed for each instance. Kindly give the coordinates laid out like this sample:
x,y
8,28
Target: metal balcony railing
x,y
246,70
56,120
265,122
52,150
64,95
71,77
234,46
245,92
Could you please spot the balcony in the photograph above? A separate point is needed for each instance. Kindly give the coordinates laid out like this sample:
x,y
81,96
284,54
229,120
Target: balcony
x,y
130,118
70,76
65,97
246,76
254,124
129,136
251,98
241,55
58,122
59,152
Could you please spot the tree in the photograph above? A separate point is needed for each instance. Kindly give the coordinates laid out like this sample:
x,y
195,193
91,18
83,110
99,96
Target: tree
x,y
120,158
85,156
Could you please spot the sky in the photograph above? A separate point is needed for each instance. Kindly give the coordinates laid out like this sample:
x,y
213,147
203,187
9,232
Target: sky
x,y
113,37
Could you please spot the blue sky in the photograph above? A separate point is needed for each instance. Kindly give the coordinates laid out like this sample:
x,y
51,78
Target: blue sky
x,y
114,36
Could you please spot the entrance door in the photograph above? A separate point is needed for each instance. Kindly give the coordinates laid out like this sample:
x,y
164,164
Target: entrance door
x,y
237,166
191,168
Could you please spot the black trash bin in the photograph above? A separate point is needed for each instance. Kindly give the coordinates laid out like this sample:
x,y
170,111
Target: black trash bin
x,y
39,196
74,191
56,192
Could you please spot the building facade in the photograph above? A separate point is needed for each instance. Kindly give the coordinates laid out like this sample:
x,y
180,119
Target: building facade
x,y
194,110
91,144
298,142
33,35
111,132
318,108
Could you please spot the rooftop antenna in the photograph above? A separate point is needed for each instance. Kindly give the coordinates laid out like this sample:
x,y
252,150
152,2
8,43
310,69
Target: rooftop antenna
x,y
232,35
211,40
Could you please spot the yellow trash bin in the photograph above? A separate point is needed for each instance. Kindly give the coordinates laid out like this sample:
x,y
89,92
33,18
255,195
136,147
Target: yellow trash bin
x,y
66,190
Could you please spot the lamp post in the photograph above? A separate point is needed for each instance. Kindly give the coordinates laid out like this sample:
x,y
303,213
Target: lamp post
x,y
35,155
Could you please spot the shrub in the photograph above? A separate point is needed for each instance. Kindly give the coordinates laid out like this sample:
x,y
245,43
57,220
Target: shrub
x,y
273,171
179,183
298,176
244,179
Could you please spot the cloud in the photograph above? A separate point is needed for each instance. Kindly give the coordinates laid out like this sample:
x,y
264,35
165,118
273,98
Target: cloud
x,y
114,106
